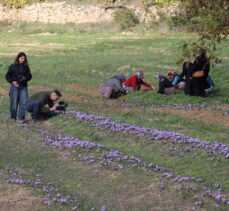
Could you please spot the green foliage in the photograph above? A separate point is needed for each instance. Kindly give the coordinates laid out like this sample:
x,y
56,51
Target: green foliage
x,y
210,19
179,21
162,25
18,3
125,19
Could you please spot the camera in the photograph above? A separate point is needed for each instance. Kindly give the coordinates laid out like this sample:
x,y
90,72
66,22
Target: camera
x,y
20,79
62,105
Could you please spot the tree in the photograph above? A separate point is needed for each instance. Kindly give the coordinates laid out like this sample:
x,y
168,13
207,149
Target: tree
x,y
210,19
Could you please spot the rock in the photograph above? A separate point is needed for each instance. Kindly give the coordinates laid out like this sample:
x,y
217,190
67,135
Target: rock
x,y
61,12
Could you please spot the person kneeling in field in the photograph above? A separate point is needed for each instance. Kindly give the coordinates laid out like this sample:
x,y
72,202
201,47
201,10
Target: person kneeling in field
x,y
177,81
113,88
134,83
165,85
36,104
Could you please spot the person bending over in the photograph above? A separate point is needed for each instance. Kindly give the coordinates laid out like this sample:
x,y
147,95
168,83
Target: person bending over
x,y
165,85
113,88
177,81
41,105
134,82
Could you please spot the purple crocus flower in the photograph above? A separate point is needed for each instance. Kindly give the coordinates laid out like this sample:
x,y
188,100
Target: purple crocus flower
x,y
173,137
103,208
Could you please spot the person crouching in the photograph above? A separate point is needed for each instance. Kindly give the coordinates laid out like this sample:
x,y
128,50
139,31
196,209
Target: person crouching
x,y
41,105
113,87
135,82
165,85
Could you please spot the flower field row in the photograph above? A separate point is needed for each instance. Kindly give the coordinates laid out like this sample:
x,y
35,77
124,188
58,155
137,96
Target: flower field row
x,y
174,137
116,160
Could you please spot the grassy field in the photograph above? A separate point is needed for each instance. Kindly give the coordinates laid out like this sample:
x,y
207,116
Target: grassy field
x,y
76,60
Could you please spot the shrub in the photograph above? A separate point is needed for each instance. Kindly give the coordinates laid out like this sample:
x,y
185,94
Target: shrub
x,y
179,21
125,19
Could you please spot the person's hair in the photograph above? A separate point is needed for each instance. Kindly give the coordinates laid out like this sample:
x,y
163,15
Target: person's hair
x,y
202,56
16,61
57,92
202,52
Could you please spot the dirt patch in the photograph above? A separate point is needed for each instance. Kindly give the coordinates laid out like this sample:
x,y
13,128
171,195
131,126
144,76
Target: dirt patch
x,y
84,89
207,116
7,54
148,196
211,115
4,91
40,88
88,94
18,198
75,98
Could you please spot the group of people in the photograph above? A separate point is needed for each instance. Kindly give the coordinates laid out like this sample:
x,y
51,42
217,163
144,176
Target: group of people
x,y
194,80
118,85
41,105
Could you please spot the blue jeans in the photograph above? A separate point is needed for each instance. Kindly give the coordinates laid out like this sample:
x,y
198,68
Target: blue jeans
x,y
175,80
18,97
210,81
34,107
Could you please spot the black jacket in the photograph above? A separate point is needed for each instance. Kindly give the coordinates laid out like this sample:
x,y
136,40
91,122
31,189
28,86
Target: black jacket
x,y
164,83
201,63
20,73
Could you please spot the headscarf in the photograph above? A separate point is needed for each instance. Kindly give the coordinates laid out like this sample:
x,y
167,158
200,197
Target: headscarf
x,y
121,78
140,74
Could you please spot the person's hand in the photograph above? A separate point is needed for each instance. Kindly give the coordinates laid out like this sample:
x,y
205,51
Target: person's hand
x,y
16,84
152,87
53,108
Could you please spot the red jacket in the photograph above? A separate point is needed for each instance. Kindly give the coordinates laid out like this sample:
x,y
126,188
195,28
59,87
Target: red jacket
x,y
133,81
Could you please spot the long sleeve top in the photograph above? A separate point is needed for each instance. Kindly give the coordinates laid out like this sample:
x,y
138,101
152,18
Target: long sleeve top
x,y
44,98
201,64
133,81
20,73
164,83
115,84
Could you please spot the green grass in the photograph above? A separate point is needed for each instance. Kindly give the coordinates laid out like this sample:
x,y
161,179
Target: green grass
x,y
194,163
76,60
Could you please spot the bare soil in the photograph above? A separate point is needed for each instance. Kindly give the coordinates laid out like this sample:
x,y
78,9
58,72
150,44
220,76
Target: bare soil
x,y
18,198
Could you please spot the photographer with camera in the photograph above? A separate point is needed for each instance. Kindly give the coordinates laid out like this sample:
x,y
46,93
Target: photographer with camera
x,y
18,76
42,106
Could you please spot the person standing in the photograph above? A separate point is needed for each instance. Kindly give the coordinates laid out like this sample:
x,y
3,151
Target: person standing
x,y
18,76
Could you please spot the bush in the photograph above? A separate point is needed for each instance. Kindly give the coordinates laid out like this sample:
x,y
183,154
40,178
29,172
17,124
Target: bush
x,y
125,19
179,21
18,3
